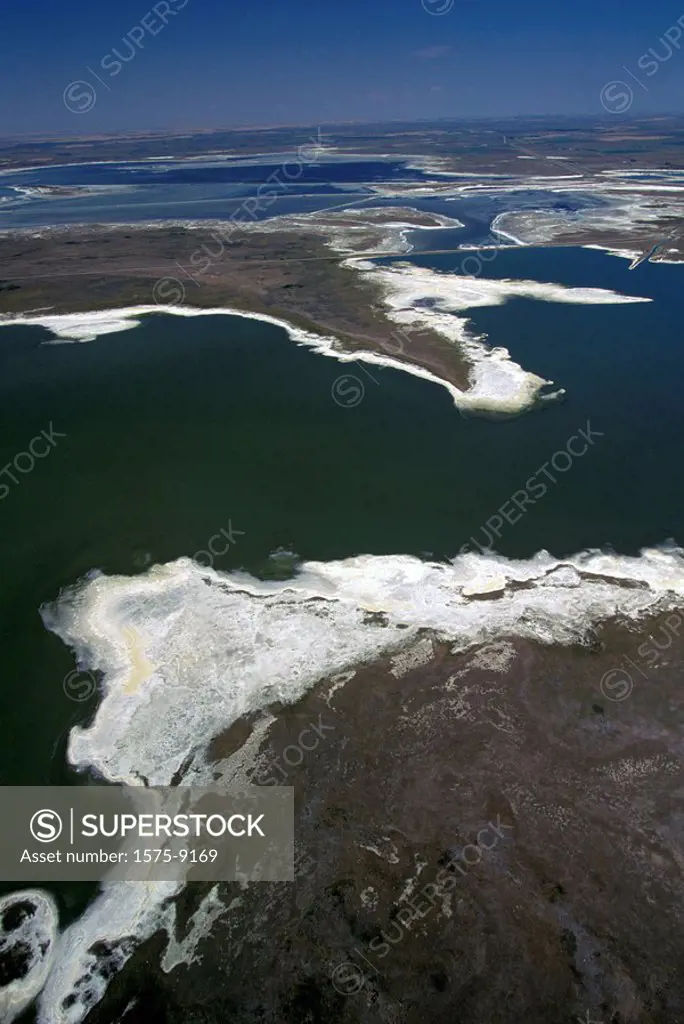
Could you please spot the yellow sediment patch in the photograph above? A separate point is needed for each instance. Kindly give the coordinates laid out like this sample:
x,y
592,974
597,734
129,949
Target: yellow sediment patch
x,y
141,667
485,585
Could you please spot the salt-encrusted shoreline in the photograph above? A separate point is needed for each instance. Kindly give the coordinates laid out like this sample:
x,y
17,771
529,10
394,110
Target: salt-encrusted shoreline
x,y
84,327
28,932
243,644
128,629
497,385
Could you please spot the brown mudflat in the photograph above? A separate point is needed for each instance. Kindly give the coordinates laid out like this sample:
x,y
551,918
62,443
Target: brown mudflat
x,y
291,274
490,836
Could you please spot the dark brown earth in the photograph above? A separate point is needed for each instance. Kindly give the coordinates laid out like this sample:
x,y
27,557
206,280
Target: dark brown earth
x,y
569,908
288,274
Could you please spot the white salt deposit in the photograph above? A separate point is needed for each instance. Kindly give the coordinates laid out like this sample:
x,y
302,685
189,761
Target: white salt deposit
x,y
217,645
28,926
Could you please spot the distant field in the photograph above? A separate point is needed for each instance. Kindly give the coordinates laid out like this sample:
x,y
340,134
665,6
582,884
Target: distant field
x,y
491,146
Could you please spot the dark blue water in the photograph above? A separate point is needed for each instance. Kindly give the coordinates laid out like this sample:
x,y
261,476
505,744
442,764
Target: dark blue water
x,y
132,192
130,201
289,168
150,203
623,368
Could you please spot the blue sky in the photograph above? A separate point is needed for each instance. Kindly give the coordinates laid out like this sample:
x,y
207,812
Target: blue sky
x,y
203,63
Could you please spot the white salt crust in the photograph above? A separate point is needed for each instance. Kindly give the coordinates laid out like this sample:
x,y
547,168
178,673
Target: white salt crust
x,y
37,932
185,651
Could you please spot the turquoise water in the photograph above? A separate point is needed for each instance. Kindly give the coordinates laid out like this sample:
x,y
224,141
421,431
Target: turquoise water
x,y
183,427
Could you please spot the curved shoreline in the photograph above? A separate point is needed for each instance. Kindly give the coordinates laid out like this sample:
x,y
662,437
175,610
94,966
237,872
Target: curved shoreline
x,y
497,385
482,379
84,327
